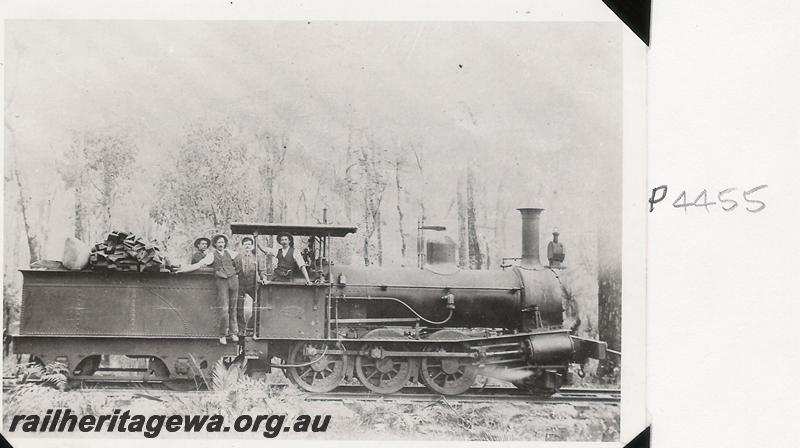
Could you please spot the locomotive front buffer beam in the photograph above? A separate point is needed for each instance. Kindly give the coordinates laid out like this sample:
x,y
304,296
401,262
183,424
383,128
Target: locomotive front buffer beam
x,y
584,348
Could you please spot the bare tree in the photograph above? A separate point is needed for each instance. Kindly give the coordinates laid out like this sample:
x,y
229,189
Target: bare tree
x,y
273,155
371,161
399,163
350,182
463,238
609,278
367,231
25,204
500,214
418,157
475,260
71,171
34,241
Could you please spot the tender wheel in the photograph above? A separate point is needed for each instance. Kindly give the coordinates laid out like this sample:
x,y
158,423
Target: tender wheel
x,y
447,376
88,366
383,374
315,371
156,367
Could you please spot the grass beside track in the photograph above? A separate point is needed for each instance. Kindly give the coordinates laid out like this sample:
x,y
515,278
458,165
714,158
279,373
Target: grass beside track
x,y
352,419
232,393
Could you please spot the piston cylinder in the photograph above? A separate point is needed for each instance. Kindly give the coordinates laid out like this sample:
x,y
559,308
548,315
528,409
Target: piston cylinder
x,y
552,347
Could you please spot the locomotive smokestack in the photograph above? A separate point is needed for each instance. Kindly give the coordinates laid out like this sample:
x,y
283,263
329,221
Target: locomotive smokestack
x,y
530,236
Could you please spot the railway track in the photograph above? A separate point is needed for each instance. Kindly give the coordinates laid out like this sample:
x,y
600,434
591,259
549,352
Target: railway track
x,y
474,395
346,393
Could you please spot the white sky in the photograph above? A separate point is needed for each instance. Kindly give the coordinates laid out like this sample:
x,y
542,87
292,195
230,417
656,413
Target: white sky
x,y
499,96
522,84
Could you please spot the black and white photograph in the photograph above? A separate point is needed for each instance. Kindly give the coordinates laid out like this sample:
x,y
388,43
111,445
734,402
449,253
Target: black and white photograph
x,y
321,229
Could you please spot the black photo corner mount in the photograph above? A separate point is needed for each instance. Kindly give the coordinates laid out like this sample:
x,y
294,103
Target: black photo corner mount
x,y
640,441
635,14
4,443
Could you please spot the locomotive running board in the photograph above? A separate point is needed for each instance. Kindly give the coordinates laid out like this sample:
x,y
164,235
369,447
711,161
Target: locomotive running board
x,y
588,348
435,341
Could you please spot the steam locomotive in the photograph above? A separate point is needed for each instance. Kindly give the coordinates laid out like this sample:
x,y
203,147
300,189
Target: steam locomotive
x,y
387,328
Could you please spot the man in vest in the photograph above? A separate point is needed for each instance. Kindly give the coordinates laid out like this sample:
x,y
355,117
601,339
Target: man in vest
x,y
290,260
227,280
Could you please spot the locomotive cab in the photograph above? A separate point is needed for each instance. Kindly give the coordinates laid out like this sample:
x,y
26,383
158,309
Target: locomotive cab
x,y
291,309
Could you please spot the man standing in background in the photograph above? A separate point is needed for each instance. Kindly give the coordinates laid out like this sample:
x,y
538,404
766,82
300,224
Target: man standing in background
x,y
201,244
555,251
247,266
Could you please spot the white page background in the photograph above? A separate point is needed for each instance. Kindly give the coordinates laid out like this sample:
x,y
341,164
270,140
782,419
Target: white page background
x,y
632,412
724,111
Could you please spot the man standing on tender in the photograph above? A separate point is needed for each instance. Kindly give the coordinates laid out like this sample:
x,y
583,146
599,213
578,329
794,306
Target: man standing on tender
x,y
227,280
201,244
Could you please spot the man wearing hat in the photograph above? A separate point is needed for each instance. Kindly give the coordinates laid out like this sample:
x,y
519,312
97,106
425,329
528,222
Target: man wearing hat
x,y
290,260
201,244
221,260
555,251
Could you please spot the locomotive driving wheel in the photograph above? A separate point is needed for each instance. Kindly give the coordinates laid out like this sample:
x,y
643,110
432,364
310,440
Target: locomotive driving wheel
x,y
380,373
447,376
313,369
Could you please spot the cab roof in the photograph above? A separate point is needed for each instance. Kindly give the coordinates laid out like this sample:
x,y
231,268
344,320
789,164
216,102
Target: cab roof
x,y
248,228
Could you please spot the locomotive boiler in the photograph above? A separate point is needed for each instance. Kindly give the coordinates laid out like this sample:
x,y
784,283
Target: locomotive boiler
x,y
387,328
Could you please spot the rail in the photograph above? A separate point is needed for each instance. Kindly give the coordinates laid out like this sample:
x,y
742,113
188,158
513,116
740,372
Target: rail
x,y
132,389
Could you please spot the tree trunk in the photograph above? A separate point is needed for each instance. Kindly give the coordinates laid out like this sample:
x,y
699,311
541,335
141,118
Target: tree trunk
x,y
367,232
80,225
349,183
270,184
421,168
400,212
302,207
270,189
46,211
609,277
499,226
378,228
463,247
107,201
34,244
475,260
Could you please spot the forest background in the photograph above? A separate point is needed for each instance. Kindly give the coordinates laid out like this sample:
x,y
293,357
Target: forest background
x,y
173,130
